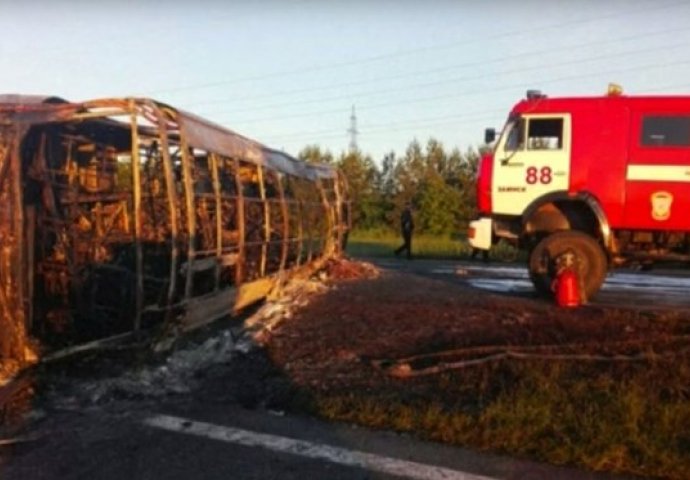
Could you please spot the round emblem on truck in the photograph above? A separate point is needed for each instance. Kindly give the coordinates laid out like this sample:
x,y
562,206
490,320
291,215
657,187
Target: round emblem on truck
x,y
661,205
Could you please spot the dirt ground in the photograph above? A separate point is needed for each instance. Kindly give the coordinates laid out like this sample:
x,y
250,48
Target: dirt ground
x,y
345,337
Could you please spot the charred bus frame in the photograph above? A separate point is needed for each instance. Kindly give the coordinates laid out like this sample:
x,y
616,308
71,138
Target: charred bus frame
x,y
119,216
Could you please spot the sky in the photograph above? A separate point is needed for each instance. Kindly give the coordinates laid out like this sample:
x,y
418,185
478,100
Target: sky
x,y
288,73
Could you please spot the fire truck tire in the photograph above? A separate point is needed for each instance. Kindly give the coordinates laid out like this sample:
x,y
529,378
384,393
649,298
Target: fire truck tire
x,y
592,264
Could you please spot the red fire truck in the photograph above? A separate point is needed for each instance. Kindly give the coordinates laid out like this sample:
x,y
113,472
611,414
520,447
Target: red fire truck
x,y
605,179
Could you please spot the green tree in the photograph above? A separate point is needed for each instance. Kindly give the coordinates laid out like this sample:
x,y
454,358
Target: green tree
x,y
467,186
388,188
438,206
313,154
440,185
364,185
406,176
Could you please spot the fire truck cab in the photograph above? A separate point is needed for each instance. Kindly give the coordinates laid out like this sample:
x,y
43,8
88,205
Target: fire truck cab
x,y
604,178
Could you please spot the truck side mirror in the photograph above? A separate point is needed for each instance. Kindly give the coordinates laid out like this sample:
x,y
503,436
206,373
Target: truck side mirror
x,y
489,135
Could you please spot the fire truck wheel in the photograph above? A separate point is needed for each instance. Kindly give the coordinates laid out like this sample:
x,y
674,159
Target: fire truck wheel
x,y
591,261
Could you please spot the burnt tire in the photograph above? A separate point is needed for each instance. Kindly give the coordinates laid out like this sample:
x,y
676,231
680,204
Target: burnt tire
x,y
591,262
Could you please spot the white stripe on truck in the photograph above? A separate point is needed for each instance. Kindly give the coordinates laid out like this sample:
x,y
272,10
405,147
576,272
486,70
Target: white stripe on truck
x,y
659,173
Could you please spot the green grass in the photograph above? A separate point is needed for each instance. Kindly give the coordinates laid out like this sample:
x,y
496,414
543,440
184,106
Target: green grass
x,y
381,243
618,418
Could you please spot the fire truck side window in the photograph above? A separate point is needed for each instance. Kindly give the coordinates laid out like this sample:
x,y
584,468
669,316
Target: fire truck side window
x,y
665,131
545,134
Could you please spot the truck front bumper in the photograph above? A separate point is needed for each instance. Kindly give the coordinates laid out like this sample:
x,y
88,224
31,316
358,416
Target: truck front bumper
x,y
479,234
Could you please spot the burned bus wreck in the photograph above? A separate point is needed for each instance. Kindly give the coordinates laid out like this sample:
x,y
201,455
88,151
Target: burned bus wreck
x,y
123,216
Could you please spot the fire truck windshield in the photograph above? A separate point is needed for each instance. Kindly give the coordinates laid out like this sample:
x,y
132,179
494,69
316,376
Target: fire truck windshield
x,y
515,134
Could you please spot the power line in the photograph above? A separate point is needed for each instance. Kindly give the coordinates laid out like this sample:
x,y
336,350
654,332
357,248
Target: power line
x,y
381,57
377,130
430,121
671,87
466,117
464,65
467,93
368,135
376,133
456,79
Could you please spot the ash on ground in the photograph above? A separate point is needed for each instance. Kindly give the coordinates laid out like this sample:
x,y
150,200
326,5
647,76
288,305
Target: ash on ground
x,y
180,371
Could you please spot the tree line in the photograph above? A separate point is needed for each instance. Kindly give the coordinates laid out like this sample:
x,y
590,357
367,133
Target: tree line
x,y
440,184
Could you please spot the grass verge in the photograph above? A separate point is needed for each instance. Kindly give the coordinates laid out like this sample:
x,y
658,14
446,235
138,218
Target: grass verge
x,y
621,418
381,243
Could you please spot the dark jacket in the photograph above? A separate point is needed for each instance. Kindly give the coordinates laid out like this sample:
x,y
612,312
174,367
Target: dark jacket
x,y
406,222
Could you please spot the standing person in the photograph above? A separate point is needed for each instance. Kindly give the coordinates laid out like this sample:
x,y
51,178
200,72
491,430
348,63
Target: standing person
x,y
406,227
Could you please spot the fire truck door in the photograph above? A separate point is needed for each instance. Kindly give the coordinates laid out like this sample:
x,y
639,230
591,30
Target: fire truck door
x,y
658,172
532,159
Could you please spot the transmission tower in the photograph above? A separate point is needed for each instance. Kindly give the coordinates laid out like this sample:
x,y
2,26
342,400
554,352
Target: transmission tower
x,y
353,131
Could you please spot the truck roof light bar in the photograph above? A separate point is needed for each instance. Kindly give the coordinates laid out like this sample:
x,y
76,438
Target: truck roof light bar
x,y
535,95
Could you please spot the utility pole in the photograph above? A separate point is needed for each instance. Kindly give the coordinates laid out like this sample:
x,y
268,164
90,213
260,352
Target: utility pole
x,y
353,131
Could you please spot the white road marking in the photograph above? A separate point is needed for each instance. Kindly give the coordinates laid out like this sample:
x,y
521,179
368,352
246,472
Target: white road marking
x,y
342,456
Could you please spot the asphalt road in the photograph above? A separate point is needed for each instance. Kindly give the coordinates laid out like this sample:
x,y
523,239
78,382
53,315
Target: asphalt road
x,y
210,441
663,289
